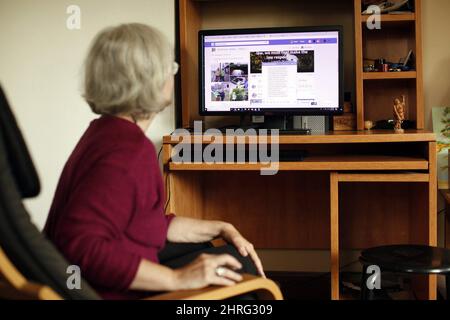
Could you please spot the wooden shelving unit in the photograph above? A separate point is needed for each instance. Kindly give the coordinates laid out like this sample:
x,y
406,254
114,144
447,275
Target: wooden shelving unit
x,y
319,163
389,75
333,137
399,34
392,17
380,185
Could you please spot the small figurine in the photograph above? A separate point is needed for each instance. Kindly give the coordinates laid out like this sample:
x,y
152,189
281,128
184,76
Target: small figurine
x,y
368,125
399,114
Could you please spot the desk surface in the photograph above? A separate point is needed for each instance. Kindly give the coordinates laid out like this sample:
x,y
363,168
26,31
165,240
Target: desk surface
x,y
327,158
332,137
316,163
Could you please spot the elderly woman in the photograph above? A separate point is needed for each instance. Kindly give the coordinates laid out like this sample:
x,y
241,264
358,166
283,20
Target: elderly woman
x,y
108,214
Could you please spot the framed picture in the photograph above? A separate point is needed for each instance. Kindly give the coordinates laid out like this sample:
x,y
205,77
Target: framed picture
x,y
441,127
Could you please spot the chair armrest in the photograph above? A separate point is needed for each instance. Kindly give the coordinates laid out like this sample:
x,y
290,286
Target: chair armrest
x,y
28,291
265,289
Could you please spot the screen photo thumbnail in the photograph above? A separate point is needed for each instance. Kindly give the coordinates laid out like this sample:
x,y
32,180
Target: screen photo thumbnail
x,y
303,58
229,82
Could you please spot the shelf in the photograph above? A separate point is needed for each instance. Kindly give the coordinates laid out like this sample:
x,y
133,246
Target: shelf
x,y
384,177
332,137
405,17
318,163
389,75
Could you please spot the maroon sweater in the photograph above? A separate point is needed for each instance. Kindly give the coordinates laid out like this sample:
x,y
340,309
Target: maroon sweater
x,y
108,210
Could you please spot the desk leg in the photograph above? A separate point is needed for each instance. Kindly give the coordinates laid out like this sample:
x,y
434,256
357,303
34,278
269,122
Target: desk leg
x,y
447,226
432,212
166,157
334,228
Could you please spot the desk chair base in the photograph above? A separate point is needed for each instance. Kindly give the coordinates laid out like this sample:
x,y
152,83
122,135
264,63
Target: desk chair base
x,y
405,259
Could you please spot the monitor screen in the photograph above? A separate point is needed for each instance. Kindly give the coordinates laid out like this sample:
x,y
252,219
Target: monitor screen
x,y
257,71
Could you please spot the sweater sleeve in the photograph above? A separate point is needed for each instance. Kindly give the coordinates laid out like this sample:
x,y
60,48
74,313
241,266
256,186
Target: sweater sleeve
x,y
97,212
169,218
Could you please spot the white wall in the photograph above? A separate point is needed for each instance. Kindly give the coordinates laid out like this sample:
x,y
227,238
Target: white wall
x,y
436,56
40,68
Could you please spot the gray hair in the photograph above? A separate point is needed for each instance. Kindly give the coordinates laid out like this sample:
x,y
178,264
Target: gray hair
x,y
126,70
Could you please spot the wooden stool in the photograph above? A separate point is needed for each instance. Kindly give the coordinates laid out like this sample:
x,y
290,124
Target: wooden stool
x,y
410,259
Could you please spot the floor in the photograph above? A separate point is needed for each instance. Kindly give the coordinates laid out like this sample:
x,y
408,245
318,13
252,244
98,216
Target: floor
x,y
316,286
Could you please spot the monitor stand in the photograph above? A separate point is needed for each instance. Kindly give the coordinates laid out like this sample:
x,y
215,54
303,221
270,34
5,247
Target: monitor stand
x,y
285,125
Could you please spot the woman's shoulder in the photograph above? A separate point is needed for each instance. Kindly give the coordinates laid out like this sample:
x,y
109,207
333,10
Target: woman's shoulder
x,y
122,144
130,153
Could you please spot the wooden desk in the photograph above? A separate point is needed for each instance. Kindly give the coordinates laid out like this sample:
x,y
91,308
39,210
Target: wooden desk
x,y
354,190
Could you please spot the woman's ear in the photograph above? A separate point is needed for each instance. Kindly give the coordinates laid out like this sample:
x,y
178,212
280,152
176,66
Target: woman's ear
x,y
168,91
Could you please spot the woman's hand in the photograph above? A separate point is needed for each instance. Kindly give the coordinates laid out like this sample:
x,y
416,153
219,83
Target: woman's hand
x,y
230,234
188,230
202,272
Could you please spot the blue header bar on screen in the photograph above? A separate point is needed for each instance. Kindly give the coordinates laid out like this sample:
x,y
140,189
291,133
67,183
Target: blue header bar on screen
x,y
241,43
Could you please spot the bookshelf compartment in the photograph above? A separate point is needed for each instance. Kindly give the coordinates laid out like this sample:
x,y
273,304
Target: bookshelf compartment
x,y
389,75
391,43
379,98
392,18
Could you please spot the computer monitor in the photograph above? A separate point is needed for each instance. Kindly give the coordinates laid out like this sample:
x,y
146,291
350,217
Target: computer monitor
x,y
278,71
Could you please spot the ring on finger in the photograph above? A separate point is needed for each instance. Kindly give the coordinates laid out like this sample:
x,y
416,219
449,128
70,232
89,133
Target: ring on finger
x,y
220,271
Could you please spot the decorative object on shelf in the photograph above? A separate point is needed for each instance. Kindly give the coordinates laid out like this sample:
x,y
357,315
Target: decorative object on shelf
x,y
405,64
399,113
369,65
382,65
390,124
395,69
369,68
348,107
393,6
408,59
379,64
346,121
441,127
368,125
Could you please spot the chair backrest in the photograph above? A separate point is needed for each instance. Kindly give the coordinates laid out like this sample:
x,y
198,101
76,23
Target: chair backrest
x,y
25,246
19,159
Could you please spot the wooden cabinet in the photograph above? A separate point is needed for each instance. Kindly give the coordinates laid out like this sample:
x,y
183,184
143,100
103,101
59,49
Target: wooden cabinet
x,y
375,91
355,189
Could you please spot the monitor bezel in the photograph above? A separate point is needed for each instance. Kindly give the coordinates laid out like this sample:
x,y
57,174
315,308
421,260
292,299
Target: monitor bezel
x,y
268,112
